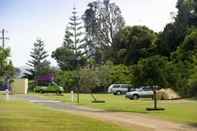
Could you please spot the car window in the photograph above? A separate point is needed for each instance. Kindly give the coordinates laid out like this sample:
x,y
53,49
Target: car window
x,y
147,89
132,89
53,83
116,86
124,86
43,84
130,86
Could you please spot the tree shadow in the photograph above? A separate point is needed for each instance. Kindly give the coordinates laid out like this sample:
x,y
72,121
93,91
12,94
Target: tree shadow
x,y
130,111
194,98
193,125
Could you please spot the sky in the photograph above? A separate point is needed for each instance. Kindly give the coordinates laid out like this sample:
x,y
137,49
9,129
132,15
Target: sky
x,y
28,20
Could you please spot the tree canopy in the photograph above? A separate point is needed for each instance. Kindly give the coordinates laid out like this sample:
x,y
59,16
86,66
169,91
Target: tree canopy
x,y
131,44
6,67
138,55
103,20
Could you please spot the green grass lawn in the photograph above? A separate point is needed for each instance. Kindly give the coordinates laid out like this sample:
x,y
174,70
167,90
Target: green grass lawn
x,y
184,111
22,116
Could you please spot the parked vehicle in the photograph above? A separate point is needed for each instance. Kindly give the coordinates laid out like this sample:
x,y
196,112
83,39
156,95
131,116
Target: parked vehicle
x,y
142,92
118,89
2,87
50,88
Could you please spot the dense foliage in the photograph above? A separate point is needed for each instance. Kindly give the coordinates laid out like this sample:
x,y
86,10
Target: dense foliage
x,y
131,44
102,20
99,50
6,67
91,78
139,55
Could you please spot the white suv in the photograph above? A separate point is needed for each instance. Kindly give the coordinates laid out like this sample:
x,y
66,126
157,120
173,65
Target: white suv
x,y
118,89
142,92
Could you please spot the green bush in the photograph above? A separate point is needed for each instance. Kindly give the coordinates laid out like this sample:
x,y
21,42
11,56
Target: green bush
x,y
88,80
91,78
31,86
66,79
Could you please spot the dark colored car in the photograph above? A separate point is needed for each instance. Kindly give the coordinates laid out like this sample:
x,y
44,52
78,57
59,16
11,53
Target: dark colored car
x,y
2,87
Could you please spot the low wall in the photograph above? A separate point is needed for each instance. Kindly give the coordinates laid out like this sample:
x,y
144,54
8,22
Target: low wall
x,y
19,86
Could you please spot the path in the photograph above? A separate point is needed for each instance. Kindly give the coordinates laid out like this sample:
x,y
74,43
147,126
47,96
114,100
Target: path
x,y
138,122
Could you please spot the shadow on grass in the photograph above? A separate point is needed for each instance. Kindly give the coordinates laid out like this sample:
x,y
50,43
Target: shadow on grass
x,y
195,98
191,98
131,111
193,125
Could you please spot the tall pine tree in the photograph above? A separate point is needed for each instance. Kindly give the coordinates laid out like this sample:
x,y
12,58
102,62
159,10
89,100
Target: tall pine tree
x,y
76,27
68,42
73,45
38,65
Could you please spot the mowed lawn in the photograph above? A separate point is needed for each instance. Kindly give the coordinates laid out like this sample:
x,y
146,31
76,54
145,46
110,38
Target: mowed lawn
x,y
23,116
183,111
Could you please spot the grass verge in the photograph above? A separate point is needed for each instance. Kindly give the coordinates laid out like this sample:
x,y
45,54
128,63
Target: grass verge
x,y
22,116
183,111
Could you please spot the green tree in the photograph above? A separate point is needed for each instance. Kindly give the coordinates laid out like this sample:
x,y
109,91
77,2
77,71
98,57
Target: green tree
x,y
6,67
68,42
104,75
187,49
108,74
102,21
73,45
185,62
150,71
120,75
192,81
38,65
167,41
65,58
76,33
131,44
175,32
66,79
88,80
177,42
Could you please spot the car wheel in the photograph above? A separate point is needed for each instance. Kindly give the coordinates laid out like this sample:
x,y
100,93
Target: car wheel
x,y
130,98
115,93
135,97
118,93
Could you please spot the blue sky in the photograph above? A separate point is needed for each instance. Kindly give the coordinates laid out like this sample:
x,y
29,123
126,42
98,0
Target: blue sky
x,y
27,20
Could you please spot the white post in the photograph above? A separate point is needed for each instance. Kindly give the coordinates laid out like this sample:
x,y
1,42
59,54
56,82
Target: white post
x,y
7,94
72,96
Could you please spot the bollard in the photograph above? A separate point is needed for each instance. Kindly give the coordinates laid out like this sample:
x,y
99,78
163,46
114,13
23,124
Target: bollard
x,y
7,94
72,96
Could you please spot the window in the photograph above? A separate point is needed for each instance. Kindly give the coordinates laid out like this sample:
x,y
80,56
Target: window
x,y
116,86
147,89
125,86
